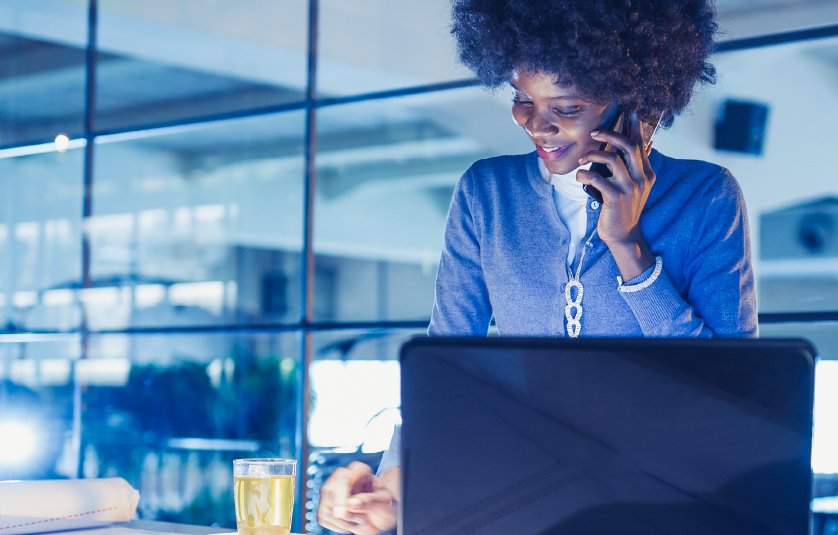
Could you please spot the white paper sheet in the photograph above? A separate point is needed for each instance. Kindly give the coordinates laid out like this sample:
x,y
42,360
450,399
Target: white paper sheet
x,y
58,505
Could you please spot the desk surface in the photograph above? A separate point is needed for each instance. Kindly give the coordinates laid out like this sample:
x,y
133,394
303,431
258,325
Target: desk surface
x,y
149,527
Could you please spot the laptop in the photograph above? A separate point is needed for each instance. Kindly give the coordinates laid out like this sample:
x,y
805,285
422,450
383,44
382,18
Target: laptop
x,y
606,436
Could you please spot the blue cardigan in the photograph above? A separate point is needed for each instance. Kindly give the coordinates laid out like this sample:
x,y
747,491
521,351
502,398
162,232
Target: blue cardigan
x,y
505,254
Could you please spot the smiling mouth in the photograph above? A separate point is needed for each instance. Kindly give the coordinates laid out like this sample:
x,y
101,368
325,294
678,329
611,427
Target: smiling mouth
x,y
552,153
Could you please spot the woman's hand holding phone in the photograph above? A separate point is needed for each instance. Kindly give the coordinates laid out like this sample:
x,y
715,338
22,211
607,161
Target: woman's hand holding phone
x,y
624,195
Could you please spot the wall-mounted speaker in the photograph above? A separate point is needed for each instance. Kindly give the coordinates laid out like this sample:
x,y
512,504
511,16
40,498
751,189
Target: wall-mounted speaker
x,y
741,127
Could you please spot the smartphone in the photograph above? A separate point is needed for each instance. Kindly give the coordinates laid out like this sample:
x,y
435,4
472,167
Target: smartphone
x,y
621,124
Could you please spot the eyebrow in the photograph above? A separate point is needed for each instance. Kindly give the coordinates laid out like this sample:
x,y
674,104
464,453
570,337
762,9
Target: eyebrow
x,y
518,90
562,97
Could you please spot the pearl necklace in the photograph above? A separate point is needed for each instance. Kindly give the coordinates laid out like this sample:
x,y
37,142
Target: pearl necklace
x,y
573,309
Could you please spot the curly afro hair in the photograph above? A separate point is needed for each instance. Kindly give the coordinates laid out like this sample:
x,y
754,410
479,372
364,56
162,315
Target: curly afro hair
x,y
646,55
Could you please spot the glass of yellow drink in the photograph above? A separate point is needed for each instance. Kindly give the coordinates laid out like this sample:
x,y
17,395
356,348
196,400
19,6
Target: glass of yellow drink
x,y
264,494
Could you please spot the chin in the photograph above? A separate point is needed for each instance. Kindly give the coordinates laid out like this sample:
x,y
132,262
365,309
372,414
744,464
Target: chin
x,y
560,168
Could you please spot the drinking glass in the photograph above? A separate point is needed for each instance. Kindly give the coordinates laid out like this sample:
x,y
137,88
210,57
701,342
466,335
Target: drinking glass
x,y
264,494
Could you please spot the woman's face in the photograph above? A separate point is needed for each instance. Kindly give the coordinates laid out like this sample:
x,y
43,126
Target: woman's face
x,y
557,119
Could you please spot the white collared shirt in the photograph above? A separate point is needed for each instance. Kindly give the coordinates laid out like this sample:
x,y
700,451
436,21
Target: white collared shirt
x,y
571,202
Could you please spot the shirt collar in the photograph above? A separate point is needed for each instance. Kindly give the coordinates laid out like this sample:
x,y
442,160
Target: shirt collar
x,y
565,184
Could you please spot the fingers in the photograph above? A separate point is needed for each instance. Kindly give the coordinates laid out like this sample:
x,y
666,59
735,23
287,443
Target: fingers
x,y
359,524
363,527
341,490
378,501
622,143
336,525
332,518
606,187
338,487
351,520
331,512
339,519
363,479
629,146
359,469
615,164
344,482
378,508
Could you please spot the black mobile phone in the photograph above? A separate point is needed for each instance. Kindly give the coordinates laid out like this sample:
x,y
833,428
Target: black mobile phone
x,y
620,123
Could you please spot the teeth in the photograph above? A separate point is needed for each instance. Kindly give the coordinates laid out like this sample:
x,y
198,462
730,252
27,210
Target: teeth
x,y
550,150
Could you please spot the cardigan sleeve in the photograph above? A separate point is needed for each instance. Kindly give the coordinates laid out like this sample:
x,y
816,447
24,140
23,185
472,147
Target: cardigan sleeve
x,y
720,296
392,456
461,301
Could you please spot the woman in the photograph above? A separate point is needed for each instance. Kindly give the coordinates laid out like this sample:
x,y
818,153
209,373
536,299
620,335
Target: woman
x,y
666,253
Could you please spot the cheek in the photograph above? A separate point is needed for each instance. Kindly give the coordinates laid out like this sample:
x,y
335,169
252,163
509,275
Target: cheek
x,y
589,143
581,133
519,116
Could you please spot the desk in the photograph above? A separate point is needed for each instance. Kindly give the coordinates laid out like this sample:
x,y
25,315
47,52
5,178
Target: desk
x,y
149,527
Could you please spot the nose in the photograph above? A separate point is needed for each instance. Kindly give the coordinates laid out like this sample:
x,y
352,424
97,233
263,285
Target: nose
x,y
538,126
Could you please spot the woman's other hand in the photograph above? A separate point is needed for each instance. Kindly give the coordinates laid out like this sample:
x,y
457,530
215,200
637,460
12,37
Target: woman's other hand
x,y
353,500
624,195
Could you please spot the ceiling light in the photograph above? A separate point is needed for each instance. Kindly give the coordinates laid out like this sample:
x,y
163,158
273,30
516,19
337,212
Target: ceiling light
x,y
61,142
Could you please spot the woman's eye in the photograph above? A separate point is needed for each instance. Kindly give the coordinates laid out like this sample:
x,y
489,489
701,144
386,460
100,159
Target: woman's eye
x,y
516,100
570,112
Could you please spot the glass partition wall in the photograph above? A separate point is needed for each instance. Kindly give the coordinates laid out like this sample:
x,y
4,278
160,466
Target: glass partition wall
x,y
218,226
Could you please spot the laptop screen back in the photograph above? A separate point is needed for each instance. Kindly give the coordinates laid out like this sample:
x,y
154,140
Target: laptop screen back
x,y
626,437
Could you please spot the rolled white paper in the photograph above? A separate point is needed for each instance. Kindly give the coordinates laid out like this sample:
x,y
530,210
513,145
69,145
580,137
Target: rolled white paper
x,y
58,505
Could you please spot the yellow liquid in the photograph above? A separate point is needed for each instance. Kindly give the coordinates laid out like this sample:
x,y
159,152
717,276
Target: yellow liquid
x,y
264,505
